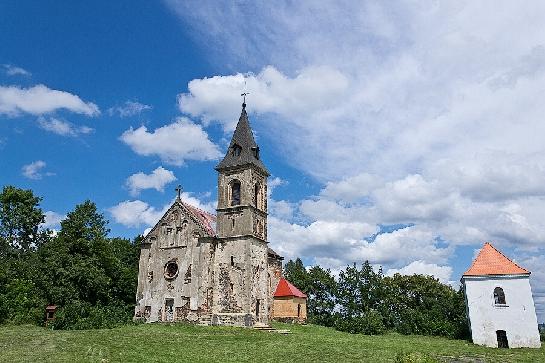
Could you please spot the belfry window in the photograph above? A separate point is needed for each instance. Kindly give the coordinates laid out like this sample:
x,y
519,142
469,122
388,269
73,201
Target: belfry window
x,y
235,193
257,194
255,152
236,150
499,296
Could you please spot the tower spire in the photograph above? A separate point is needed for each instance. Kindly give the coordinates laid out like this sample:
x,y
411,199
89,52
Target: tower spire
x,y
243,150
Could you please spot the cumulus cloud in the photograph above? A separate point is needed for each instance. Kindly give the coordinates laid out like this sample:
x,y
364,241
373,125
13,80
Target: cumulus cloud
x,y
442,273
52,219
156,180
137,213
39,99
12,70
128,109
134,213
217,98
34,170
174,143
63,128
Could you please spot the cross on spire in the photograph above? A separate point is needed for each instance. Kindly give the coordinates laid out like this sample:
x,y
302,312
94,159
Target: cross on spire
x,y
179,191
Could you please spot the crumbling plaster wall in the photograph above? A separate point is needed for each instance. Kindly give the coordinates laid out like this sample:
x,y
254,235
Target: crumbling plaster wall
x,y
189,288
240,281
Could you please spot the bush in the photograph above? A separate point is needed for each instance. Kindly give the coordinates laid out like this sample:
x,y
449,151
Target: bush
x,y
21,303
370,323
81,315
542,336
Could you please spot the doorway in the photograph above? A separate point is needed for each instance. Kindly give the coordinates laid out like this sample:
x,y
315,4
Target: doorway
x,y
257,308
502,339
169,310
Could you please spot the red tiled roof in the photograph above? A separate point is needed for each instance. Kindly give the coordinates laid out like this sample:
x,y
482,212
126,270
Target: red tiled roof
x,y
490,261
285,288
207,220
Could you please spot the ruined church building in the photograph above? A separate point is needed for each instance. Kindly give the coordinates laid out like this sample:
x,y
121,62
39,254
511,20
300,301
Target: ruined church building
x,y
212,270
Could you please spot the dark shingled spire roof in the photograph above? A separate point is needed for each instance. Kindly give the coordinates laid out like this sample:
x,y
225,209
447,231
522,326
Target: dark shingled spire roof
x,y
243,139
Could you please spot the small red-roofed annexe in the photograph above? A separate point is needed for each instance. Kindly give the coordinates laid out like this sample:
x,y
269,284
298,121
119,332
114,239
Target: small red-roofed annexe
x,y
285,288
289,303
490,261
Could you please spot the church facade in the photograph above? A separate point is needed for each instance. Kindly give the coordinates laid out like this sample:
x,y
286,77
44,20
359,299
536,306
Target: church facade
x,y
214,270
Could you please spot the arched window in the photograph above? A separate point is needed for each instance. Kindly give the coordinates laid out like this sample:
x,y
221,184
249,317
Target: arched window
x,y
257,195
236,150
235,192
499,296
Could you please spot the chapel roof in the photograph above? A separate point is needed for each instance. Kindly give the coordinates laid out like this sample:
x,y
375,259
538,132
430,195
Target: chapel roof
x,y
249,150
490,261
207,220
285,288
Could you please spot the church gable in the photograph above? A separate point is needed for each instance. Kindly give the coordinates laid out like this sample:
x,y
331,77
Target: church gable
x,y
180,225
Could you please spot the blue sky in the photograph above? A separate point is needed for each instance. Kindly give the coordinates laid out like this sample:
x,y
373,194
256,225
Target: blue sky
x,y
426,117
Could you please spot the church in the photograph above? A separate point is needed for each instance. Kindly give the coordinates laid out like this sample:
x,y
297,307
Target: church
x,y
214,270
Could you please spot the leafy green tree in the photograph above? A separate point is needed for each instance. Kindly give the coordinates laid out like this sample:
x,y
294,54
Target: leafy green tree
x,y
91,277
420,304
20,219
322,289
296,273
360,297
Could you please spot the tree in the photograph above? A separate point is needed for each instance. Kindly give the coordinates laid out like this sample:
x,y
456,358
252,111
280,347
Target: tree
x,y
359,295
420,304
296,273
322,289
20,219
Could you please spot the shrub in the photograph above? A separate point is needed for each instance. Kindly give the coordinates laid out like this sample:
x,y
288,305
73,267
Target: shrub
x,y
542,336
21,303
369,323
81,315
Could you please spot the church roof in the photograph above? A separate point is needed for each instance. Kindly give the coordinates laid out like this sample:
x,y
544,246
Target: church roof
x,y
490,261
243,137
285,288
207,220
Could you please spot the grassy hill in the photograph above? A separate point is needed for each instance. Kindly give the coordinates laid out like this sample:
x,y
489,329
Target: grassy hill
x,y
179,343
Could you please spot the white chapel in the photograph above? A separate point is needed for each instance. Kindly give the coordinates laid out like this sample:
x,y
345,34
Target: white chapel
x,y
500,307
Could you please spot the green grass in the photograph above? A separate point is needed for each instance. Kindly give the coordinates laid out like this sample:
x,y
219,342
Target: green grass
x,y
181,343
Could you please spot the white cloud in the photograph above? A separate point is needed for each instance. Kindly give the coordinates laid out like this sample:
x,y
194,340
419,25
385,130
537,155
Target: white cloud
x,y
156,180
315,89
443,273
174,144
137,213
128,109
39,99
34,170
63,128
52,219
12,70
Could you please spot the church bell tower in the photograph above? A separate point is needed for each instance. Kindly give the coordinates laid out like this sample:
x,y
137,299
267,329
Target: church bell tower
x,y
242,186
241,267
